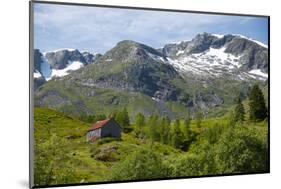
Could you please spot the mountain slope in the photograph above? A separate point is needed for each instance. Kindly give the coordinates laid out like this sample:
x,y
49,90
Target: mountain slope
x,y
58,63
130,66
204,74
83,161
209,55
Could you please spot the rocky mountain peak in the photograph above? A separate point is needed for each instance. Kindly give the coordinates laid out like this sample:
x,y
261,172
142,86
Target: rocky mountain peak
x,y
130,51
60,59
211,55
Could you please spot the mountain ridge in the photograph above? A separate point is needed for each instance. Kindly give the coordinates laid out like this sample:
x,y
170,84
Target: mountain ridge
x,y
179,54
203,74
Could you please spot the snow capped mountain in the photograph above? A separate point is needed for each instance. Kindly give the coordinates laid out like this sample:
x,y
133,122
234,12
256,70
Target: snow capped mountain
x,y
90,57
214,55
49,73
60,62
250,39
205,72
58,50
205,56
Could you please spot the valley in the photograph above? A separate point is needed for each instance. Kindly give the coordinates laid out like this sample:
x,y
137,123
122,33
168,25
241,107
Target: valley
x,y
196,107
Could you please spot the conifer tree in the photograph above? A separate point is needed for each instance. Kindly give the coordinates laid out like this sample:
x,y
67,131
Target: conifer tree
x,y
176,135
153,128
140,123
187,133
118,116
239,111
258,110
165,130
122,118
126,119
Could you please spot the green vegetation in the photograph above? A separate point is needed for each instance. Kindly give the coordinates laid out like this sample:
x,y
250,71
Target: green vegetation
x,y
141,164
198,117
92,118
62,155
139,125
122,117
258,110
177,135
83,100
239,111
155,147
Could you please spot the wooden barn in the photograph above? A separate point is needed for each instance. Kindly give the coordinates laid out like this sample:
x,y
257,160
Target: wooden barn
x,y
104,128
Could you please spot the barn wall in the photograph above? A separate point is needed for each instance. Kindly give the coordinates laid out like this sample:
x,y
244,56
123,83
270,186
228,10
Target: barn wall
x,y
111,129
91,134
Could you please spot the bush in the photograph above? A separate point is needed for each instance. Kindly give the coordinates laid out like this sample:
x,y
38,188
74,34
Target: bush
x,y
227,150
201,154
105,154
127,129
140,165
189,165
213,133
241,150
52,163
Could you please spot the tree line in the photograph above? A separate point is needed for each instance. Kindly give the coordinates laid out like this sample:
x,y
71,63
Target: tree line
x,y
257,108
161,129
178,133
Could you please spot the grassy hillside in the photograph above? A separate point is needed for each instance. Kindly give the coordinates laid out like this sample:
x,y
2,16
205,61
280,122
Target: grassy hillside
x,y
78,99
89,162
62,155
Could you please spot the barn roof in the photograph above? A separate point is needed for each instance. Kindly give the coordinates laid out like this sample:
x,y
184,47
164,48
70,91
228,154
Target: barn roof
x,y
99,124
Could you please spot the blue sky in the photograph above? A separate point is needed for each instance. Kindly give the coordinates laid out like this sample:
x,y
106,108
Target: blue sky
x,y
99,29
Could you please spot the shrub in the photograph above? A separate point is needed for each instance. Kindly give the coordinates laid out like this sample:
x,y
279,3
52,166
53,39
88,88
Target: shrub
x,y
228,150
241,150
189,165
52,163
106,153
142,164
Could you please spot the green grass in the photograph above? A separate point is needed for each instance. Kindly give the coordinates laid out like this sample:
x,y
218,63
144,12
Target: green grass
x,y
93,162
77,100
49,122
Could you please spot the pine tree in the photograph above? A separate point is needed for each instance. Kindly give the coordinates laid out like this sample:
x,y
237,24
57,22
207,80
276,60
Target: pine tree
x,y
239,111
187,133
122,118
140,123
153,128
258,110
119,118
165,130
176,135
126,119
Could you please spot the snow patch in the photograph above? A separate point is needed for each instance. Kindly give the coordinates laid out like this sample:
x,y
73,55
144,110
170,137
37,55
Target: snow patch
x,y
75,65
156,57
155,99
180,52
218,35
219,54
258,72
212,62
37,74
